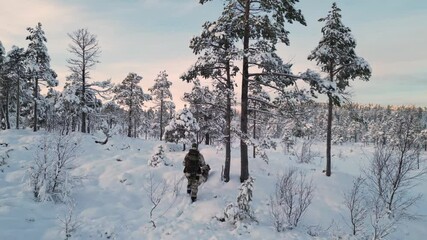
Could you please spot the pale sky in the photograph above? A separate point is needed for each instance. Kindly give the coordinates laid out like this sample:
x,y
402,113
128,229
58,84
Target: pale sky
x,y
149,36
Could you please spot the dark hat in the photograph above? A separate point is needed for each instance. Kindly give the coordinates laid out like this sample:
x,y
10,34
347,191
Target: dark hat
x,y
194,145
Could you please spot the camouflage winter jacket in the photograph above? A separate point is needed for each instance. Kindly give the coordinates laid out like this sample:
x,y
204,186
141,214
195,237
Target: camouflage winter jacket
x,y
201,162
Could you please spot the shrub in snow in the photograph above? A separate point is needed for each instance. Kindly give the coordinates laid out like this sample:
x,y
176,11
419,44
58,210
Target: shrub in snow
x,y
303,151
49,174
243,210
4,153
68,221
390,177
157,191
385,197
231,213
394,169
382,221
158,158
357,206
245,197
293,195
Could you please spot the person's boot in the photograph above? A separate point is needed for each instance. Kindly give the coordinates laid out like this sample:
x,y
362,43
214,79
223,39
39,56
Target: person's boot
x,y
193,199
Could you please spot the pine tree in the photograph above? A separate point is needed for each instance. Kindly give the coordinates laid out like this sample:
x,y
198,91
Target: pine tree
x,y
131,95
149,123
52,120
84,46
217,53
224,108
162,99
15,73
38,65
93,91
337,58
68,106
182,128
198,99
2,53
259,25
112,114
4,89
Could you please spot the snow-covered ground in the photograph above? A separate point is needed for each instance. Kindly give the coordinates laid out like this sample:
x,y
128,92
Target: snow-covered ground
x,y
113,200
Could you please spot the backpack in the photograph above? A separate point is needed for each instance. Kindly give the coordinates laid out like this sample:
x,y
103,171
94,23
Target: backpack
x,y
192,164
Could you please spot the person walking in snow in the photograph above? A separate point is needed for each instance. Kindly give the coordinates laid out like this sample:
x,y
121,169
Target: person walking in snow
x,y
195,170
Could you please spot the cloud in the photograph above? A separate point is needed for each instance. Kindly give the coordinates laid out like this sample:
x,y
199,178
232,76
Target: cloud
x,y
20,15
147,36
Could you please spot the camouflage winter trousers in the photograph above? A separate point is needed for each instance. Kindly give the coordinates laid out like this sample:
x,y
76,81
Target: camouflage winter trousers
x,y
193,185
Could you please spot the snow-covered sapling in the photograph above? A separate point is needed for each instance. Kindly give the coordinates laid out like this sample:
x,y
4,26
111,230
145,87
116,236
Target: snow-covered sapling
x,y
243,210
50,174
303,151
156,191
4,153
158,158
182,128
357,205
68,221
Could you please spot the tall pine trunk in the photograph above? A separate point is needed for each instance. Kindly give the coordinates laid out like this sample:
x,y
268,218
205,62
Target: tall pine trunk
x,y
244,167
2,115
228,127
130,120
73,123
83,98
18,104
6,110
84,116
329,127
35,94
254,132
207,139
329,137
161,115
